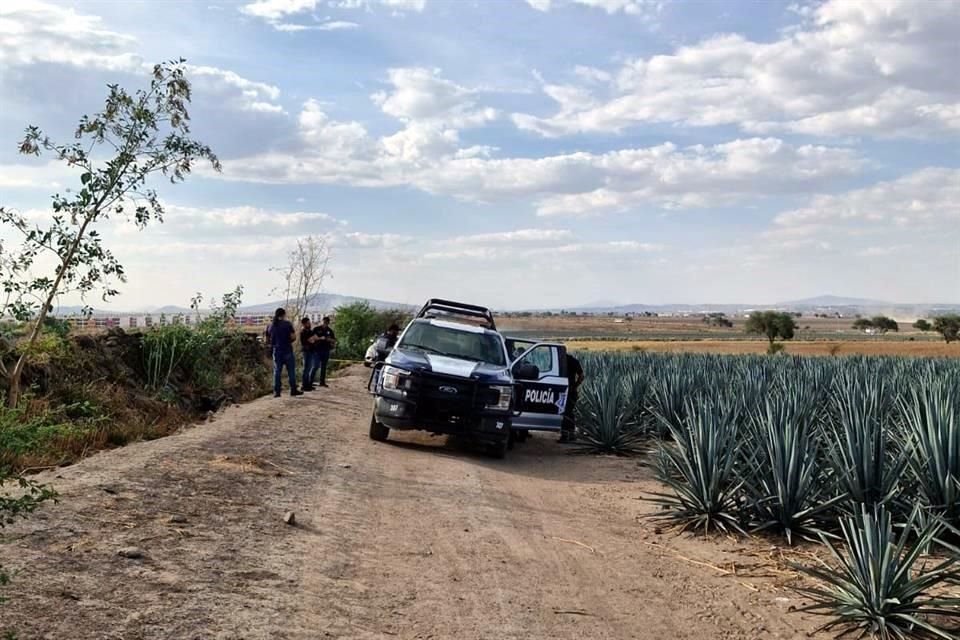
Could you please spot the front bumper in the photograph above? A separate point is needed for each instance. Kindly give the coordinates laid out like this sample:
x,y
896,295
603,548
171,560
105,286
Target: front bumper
x,y
423,406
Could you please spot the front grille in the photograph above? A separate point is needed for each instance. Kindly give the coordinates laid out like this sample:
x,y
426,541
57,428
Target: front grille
x,y
449,400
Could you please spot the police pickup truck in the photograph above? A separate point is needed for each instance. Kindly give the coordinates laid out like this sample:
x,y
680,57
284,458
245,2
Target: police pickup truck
x,y
451,372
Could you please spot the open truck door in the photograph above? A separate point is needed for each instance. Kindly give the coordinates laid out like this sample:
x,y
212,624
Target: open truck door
x,y
540,372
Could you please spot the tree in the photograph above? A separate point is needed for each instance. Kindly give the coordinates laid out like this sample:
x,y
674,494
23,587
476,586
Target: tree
x,y
862,324
883,324
947,326
773,325
922,325
358,324
303,275
144,134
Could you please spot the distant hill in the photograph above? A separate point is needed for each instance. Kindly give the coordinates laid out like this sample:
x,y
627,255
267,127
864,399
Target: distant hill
x,y
320,303
836,301
830,303
323,302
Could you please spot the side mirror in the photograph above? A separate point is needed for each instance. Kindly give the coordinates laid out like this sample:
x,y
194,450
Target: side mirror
x,y
526,371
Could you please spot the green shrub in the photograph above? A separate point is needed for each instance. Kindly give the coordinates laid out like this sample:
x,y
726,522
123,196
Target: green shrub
x,y
358,324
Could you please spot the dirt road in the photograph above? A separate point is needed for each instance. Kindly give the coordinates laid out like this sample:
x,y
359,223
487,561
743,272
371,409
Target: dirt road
x,y
414,538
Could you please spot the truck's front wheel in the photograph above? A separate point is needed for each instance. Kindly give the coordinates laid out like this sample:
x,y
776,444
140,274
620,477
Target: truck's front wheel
x,y
378,431
499,449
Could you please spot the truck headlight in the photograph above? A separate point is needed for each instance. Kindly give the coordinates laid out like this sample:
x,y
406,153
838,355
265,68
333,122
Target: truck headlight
x,y
504,400
391,378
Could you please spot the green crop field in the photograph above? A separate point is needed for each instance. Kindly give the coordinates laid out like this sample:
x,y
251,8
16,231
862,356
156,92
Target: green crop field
x,y
861,450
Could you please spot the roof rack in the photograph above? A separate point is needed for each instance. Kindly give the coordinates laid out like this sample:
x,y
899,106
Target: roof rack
x,y
444,309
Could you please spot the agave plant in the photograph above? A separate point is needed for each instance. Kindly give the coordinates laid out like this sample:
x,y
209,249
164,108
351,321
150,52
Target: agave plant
x,y
867,465
608,416
933,426
784,473
699,465
669,391
878,586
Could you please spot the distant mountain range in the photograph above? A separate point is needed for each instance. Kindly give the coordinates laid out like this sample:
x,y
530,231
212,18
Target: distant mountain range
x,y
320,303
824,304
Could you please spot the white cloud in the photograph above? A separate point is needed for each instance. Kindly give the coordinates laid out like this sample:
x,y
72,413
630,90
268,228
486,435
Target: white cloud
x,y
927,197
277,9
244,94
337,139
911,215
359,240
38,32
246,220
275,12
520,236
424,155
420,95
329,25
50,175
557,252
852,68
629,7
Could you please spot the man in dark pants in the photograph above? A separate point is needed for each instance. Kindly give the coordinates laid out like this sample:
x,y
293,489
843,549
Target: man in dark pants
x,y
308,345
282,336
325,341
568,432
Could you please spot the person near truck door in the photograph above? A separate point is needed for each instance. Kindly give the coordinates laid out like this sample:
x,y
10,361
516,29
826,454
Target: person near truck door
x,y
326,339
386,342
282,335
308,345
575,377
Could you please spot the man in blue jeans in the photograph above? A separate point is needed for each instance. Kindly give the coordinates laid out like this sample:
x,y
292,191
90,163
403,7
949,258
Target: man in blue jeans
x,y
282,334
309,347
326,340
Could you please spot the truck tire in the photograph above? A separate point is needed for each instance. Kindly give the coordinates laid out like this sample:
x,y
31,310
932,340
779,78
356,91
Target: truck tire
x,y
499,449
378,432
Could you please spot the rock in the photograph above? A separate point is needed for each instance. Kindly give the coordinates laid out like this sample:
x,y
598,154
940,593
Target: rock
x,y
131,553
177,520
344,466
290,518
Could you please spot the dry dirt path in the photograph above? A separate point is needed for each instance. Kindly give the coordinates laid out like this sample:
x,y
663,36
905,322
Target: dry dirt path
x,y
414,538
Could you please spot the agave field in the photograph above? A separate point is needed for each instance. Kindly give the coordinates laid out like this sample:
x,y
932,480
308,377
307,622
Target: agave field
x,y
861,454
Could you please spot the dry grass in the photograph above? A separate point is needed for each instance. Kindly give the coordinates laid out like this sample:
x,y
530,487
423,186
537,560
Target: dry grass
x,y
810,348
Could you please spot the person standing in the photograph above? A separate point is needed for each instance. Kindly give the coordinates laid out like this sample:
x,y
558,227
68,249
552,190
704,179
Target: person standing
x,y
575,377
385,343
282,335
308,345
326,340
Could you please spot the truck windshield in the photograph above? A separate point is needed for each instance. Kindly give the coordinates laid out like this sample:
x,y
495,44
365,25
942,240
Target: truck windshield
x,y
455,343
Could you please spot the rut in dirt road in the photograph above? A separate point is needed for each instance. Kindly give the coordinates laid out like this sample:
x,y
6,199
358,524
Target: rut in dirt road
x,y
413,538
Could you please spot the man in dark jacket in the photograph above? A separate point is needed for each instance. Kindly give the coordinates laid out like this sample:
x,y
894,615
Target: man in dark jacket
x,y
325,340
575,378
386,342
282,335
308,345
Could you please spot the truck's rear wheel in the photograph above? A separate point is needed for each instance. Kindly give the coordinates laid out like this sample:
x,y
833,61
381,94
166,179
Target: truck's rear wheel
x,y
378,431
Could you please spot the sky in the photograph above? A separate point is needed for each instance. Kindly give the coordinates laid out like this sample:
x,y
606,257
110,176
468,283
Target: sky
x,y
522,153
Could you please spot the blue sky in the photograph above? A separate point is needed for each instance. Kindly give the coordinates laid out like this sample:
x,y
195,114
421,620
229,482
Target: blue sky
x,y
524,153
